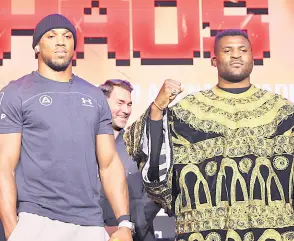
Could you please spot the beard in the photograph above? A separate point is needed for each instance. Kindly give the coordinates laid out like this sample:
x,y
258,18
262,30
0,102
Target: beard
x,y
232,77
116,125
57,66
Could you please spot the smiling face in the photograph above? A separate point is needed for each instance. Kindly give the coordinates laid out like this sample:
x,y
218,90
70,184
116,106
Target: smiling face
x,y
233,58
120,104
57,49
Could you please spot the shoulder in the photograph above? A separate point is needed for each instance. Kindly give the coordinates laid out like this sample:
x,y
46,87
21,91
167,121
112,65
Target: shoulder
x,y
16,86
89,88
187,100
270,96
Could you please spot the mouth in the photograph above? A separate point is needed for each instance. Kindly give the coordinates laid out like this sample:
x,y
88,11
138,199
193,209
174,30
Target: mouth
x,y
124,118
60,51
236,64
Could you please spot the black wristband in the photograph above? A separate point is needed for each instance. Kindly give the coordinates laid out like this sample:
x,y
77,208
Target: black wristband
x,y
123,218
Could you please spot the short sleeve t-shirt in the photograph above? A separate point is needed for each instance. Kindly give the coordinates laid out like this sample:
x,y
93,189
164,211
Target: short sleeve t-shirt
x,y
57,174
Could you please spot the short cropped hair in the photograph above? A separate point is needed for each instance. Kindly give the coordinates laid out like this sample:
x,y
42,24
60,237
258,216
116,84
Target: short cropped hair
x,y
107,87
229,32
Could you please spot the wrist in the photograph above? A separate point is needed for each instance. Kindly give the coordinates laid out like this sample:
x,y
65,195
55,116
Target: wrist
x,y
155,112
160,104
123,218
125,224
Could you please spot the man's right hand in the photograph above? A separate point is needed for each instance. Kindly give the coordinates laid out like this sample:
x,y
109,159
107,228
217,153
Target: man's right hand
x,y
168,92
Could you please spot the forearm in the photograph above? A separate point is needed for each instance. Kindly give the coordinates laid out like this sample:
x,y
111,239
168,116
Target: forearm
x,y
155,113
115,187
8,196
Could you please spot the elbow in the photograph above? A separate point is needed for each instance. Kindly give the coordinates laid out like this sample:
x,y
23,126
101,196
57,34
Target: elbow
x,y
113,162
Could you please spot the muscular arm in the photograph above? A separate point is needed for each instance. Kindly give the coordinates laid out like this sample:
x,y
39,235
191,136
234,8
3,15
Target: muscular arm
x,y
112,175
9,156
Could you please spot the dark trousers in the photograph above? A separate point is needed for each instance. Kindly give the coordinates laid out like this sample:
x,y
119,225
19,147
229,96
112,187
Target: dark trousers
x,y
149,236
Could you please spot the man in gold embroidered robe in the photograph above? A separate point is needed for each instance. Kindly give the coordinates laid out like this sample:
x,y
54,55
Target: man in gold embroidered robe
x,y
220,160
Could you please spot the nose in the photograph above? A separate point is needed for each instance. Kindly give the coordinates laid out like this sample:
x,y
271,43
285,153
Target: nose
x,y
236,54
60,40
126,109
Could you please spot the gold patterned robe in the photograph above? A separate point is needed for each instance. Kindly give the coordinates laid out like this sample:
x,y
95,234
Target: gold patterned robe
x,y
226,165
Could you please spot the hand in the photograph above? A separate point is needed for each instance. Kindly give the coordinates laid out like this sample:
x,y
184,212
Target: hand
x,y
122,234
168,92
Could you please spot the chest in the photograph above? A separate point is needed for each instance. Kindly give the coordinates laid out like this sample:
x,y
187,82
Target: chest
x,y
60,110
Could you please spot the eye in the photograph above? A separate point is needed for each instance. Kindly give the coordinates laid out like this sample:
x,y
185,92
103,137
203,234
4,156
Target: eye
x,y
226,50
244,50
68,36
51,36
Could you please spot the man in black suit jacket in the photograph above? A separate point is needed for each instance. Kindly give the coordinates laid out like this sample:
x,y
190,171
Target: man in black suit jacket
x,y
142,209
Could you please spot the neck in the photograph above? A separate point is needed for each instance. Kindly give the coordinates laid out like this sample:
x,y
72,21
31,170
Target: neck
x,y
230,85
115,133
47,72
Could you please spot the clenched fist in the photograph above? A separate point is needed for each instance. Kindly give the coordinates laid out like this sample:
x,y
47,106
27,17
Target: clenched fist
x,y
168,92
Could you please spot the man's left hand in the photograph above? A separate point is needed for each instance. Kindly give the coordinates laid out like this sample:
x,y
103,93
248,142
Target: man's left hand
x,y
122,234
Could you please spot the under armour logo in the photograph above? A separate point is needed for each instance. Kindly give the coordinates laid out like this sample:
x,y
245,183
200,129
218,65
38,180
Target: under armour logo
x,y
2,116
87,102
45,100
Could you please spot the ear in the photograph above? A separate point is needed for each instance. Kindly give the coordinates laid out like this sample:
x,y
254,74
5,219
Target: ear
x,y
213,61
37,49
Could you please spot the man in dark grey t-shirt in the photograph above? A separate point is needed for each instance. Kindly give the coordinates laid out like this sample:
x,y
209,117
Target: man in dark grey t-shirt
x,y
54,127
